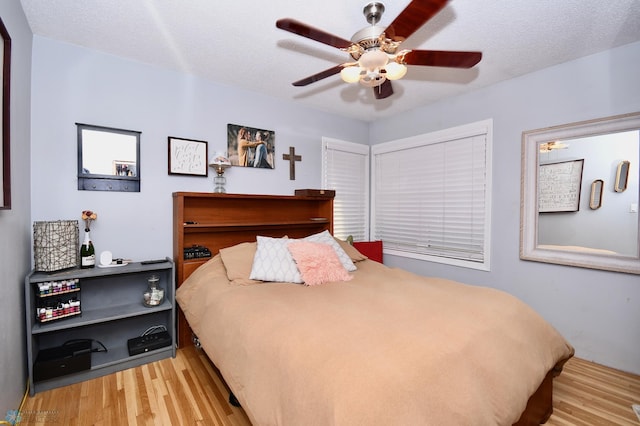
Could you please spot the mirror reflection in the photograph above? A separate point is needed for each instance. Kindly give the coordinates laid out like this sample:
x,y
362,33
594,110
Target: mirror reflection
x,y
612,228
571,212
108,159
105,153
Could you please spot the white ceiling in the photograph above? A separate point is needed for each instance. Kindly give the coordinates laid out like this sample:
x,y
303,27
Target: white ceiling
x,y
237,43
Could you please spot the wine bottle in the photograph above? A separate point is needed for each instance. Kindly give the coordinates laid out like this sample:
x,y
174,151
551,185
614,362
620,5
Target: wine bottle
x,y
87,252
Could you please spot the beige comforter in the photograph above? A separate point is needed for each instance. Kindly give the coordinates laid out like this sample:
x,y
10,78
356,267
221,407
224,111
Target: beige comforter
x,y
386,348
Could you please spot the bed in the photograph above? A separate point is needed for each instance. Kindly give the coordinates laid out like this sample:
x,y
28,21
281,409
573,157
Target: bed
x,y
372,345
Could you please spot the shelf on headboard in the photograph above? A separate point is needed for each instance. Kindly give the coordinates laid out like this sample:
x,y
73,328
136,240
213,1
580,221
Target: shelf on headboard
x,y
225,226
221,220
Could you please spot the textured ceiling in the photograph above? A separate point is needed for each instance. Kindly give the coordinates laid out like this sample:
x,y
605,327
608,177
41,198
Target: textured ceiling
x,y
237,43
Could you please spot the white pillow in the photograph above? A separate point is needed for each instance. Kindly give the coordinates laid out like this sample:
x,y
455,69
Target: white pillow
x,y
273,261
326,238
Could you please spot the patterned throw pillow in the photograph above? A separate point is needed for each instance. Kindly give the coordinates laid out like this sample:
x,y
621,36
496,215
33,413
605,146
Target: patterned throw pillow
x,y
273,262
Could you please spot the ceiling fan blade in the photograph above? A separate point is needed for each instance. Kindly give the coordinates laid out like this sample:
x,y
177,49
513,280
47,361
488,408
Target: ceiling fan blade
x,y
442,58
384,90
415,15
307,31
319,76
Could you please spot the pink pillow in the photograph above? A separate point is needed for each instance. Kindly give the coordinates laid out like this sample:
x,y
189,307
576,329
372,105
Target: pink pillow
x,y
318,263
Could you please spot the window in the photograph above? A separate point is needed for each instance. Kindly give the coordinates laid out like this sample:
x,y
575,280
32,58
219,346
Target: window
x,y
345,169
432,198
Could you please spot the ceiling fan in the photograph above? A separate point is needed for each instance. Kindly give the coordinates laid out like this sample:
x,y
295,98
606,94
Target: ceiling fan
x,y
375,49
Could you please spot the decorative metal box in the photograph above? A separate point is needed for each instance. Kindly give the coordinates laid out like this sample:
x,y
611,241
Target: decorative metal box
x,y
55,245
318,193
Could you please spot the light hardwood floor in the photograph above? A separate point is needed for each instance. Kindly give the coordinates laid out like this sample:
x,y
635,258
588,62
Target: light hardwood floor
x,y
590,394
187,390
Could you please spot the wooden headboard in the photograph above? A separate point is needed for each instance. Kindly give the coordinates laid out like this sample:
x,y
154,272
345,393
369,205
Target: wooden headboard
x,y
216,221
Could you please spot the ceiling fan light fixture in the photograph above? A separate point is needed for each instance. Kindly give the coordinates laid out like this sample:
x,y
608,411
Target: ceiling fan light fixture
x,y
376,49
372,79
550,146
395,71
373,59
350,74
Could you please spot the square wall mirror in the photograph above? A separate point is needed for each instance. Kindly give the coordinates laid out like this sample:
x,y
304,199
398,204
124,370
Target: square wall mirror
x,y
108,159
600,235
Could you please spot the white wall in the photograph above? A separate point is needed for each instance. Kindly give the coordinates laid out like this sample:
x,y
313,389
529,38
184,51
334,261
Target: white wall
x,y
15,224
73,84
597,311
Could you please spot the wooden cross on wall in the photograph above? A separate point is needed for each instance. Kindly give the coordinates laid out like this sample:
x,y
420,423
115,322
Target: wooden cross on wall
x,y
292,158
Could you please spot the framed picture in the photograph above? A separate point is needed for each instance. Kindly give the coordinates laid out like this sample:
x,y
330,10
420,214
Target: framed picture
x,y
5,163
559,186
188,157
251,147
124,168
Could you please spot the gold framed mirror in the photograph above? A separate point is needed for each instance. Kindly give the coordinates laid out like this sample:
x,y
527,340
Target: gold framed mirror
x,y
595,200
622,176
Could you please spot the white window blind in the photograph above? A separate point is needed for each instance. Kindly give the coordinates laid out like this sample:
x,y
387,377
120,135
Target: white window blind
x,y
345,169
431,196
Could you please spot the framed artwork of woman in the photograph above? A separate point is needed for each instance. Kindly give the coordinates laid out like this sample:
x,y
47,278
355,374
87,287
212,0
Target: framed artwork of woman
x,y
250,147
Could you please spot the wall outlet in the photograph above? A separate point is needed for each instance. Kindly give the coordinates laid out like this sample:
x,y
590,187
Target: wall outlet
x,y
633,208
